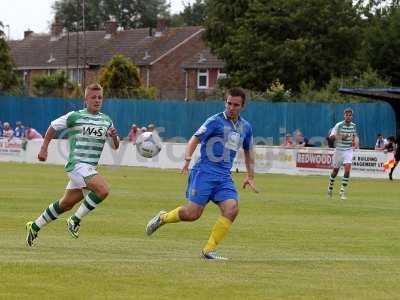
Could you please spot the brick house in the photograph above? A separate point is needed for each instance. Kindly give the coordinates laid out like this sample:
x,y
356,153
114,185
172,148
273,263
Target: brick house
x,y
172,60
202,72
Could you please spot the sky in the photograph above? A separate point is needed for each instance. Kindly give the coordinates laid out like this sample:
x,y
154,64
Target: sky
x,y
37,15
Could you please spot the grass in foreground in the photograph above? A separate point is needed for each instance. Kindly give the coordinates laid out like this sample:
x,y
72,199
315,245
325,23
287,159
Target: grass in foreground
x,y
289,241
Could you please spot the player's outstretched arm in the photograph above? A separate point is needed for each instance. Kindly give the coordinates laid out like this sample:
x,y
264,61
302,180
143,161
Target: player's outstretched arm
x,y
50,133
190,148
249,162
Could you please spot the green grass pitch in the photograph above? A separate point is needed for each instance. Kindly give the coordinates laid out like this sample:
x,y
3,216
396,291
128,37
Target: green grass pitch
x,y
289,241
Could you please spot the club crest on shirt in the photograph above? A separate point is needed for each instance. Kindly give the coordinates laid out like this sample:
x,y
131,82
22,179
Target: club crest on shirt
x,y
201,130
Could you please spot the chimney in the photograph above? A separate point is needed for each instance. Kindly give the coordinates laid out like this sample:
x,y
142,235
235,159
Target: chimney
x,y
162,25
111,28
27,33
56,30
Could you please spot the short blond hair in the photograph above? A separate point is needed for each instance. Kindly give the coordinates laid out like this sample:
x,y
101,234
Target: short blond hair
x,y
93,87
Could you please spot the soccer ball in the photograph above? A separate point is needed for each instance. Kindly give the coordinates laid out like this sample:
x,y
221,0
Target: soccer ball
x,y
148,144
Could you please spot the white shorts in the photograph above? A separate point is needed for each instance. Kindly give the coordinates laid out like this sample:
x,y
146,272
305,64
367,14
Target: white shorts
x,y
78,175
342,157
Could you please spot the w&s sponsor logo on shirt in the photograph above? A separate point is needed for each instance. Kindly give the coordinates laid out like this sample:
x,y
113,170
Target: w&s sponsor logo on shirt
x,y
96,131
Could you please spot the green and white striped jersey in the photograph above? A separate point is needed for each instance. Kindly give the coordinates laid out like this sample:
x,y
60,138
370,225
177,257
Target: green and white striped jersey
x,y
345,135
87,134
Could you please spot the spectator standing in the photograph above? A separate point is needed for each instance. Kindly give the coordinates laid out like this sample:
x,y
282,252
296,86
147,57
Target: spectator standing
x,y
300,140
32,134
8,132
133,133
150,128
19,131
390,146
380,142
288,141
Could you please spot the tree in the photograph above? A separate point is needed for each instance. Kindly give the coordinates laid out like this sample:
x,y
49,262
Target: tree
x,y
290,40
194,14
383,41
55,85
136,13
9,79
69,13
176,20
222,20
120,78
128,13
329,93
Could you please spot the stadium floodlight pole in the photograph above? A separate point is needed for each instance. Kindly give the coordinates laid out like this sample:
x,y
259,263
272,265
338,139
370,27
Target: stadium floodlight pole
x,y
67,58
84,45
8,31
77,46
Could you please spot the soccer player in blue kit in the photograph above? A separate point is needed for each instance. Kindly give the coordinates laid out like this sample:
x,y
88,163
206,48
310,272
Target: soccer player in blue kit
x,y
210,178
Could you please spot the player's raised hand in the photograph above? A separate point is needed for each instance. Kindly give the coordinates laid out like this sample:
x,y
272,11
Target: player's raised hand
x,y
42,155
250,182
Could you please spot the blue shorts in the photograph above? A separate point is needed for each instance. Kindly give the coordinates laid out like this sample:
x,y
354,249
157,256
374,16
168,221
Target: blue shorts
x,y
203,187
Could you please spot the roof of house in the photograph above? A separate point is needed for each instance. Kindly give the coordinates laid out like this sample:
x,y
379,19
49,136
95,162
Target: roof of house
x,y
373,93
39,51
204,59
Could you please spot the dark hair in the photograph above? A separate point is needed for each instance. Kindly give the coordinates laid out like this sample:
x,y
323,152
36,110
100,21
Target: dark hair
x,y
391,139
347,110
238,92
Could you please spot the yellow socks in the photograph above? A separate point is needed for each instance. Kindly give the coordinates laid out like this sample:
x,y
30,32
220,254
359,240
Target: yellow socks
x,y
171,217
218,232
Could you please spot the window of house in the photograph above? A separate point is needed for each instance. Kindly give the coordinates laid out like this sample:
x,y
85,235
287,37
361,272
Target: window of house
x,y
202,79
75,75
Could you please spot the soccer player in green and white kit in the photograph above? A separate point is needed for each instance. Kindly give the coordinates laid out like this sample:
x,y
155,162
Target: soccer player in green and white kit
x,y
345,136
88,130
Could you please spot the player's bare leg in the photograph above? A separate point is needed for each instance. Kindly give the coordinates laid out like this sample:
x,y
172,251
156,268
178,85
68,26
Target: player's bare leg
x,y
98,192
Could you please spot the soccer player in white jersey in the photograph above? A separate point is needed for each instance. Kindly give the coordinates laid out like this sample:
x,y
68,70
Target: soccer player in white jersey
x,y
88,130
345,136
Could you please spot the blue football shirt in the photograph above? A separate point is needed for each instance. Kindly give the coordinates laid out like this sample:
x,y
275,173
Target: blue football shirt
x,y
220,140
